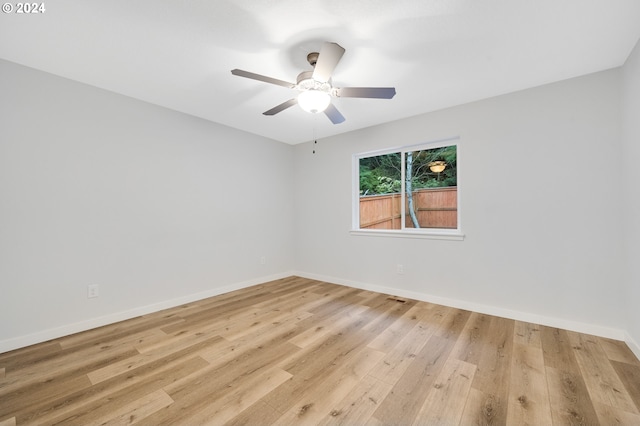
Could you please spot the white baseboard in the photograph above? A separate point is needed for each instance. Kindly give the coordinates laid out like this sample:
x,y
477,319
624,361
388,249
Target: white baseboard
x,y
633,345
54,333
580,327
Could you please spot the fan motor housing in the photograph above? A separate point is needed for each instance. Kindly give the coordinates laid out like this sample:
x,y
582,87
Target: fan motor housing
x,y
312,58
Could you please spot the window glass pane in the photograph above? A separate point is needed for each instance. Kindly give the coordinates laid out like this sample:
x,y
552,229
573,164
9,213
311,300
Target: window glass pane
x,y
380,186
431,188
413,188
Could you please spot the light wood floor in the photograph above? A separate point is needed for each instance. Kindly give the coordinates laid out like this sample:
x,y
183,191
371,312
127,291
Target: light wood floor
x,y
298,351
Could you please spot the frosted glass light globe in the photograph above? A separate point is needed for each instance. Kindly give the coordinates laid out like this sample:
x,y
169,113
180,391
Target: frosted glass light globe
x,y
314,101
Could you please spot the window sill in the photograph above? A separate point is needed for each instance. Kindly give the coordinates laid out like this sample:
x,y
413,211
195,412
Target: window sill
x,y
429,235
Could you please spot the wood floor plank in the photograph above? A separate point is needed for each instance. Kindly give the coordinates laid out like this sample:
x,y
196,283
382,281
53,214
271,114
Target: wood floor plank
x,y
609,415
227,351
569,399
310,366
237,397
66,361
281,323
408,394
617,350
557,350
330,325
61,392
302,351
629,374
163,340
528,391
447,398
317,403
470,345
252,360
358,406
263,320
390,337
210,317
135,411
20,395
257,414
105,397
482,408
527,334
194,394
489,400
202,317
30,355
337,301
453,323
290,298
601,379
77,360
34,376
28,399
387,313
397,360
135,328
186,344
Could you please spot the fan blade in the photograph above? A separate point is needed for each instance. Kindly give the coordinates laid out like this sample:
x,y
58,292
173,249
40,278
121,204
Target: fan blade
x,y
367,92
328,58
264,78
333,114
281,107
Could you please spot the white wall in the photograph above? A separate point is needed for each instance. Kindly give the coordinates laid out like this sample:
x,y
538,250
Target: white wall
x,y
155,206
541,197
631,139
159,208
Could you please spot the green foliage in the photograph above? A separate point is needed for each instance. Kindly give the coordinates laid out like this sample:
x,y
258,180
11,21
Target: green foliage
x,y
387,185
380,174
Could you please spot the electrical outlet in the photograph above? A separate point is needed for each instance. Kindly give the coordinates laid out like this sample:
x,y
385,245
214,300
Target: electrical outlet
x,y
93,290
263,260
400,269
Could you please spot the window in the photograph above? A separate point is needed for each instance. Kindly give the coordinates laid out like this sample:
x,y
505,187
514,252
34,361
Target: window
x,y
408,191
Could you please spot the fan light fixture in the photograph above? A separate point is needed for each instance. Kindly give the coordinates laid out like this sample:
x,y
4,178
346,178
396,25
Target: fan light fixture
x,y
314,101
315,87
437,166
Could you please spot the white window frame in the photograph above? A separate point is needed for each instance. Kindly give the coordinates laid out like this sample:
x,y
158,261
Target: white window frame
x,y
429,233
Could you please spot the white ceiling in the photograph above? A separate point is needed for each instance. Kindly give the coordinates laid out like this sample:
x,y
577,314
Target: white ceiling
x,y
437,53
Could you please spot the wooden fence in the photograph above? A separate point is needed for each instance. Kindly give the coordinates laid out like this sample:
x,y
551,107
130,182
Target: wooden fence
x,y
435,208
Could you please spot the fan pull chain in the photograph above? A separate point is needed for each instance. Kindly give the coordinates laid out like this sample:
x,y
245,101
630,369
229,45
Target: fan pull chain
x,y
315,141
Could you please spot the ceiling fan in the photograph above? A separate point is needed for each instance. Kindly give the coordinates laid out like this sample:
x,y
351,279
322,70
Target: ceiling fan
x,y
315,86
